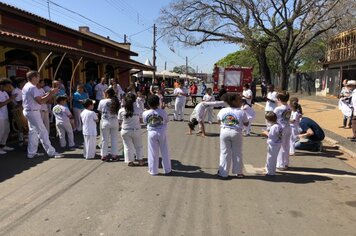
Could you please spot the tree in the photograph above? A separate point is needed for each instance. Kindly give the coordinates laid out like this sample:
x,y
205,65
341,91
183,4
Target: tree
x,y
293,24
194,22
182,69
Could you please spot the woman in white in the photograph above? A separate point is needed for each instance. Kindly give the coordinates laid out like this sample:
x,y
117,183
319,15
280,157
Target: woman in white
x,y
109,126
208,97
130,117
231,121
181,98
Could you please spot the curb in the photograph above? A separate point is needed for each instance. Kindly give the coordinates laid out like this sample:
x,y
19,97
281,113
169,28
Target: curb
x,y
332,142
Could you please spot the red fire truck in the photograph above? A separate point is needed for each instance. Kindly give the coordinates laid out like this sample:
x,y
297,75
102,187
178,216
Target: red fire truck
x,y
233,78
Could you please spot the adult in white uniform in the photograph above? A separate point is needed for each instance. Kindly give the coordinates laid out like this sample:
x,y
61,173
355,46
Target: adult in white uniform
x,y
44,106
247,94
208,97
100,89
32,101
109,125
5,87
231,119
271,99
130,117
181,98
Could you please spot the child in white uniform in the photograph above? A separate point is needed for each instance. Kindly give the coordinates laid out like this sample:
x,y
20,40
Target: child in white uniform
x,y
63,116
231,121
156,120
274,142
251,114
109,125
89,120
208,97
294,124
181,98
130,117
283,113
5,86
271,100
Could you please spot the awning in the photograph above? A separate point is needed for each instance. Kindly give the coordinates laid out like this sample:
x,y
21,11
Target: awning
x,y
26,42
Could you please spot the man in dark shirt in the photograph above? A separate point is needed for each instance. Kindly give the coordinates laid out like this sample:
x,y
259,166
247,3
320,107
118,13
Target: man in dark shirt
x,y
310,136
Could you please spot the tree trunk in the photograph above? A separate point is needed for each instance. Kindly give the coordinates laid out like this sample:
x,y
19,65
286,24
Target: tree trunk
x,y
262,62
284,75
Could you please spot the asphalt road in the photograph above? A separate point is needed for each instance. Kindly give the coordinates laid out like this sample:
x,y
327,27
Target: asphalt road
x,y
72,196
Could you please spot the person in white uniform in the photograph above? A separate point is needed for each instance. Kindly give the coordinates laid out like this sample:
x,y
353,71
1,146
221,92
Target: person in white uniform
x,y
5,87
271,100
99,90
181,98
247,94
251,114
89,120
130,117
156,120
31,102
283,113
19,83
231,120
208,97
109,125
274,142
78,98
63,115
44,106
294,124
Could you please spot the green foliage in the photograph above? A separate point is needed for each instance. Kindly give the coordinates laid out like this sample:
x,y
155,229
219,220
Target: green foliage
x,y
181,69
241,58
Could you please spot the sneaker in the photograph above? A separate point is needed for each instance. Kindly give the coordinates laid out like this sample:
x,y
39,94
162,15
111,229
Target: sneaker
x,y
57,155
2,152
39,154
6,148
105,158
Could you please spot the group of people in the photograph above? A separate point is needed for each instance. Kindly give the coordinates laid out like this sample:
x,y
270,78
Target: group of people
x,y
347,105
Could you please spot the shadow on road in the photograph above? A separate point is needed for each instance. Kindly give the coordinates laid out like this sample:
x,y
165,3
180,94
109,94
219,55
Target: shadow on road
x,y
290,178
329,152
322,170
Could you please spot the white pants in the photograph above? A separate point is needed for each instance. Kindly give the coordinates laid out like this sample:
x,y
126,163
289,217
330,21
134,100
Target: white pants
x,y
283,155
4,131
157,141
63,129
89,146
248,127
179,108
37,131
77,119
209,111
109,133
271,162
45,118
230,151
132,140
293,139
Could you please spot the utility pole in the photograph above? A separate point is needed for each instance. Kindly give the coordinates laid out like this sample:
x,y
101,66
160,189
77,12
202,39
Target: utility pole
x,y
154,52
125,38
49,10
165,65
186,68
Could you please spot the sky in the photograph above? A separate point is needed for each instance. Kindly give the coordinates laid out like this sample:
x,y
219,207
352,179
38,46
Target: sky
x,y
135,18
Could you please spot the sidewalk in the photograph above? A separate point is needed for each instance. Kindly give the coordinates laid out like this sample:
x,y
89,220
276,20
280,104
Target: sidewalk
x,y
324,110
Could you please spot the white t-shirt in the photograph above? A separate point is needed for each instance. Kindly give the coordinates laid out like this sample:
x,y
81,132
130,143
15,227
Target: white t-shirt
x,y
104,109
353,101
89,119
283,113
179,93
155,119
100,89
232,117
132,122
140,103
4,114
198,112
29,93
270,106
18,94
247,93
208,98
61,113
275,134
295,117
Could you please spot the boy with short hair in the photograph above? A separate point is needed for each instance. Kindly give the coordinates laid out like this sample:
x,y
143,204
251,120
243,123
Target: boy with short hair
x,y
63,116
156,120
283,113
89,120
